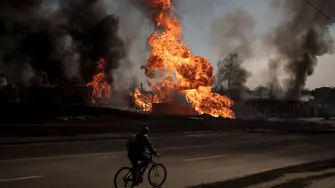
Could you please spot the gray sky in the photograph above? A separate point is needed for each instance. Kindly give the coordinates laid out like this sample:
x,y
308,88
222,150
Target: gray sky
x,y
197,17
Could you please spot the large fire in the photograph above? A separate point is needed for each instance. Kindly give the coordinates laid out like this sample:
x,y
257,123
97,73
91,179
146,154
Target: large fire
x,y
143,102
101,89
184,71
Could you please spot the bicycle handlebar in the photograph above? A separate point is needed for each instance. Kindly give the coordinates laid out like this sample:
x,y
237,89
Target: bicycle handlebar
x,y
151,154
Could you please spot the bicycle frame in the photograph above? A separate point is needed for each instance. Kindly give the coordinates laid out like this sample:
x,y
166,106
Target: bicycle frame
x,y
129,178
151,162
142,170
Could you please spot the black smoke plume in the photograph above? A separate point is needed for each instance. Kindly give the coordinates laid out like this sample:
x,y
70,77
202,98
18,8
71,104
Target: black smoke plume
x,y
273,85
59,45
300,39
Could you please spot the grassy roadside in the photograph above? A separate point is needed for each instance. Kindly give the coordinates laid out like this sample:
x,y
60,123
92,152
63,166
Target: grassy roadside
x,y
298,176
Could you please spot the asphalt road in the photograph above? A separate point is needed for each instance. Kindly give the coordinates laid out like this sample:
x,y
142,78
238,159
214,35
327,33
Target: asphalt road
x,y
190,160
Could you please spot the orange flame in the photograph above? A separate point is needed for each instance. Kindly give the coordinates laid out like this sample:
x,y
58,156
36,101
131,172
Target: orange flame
x,y
194,74
143,102
101,89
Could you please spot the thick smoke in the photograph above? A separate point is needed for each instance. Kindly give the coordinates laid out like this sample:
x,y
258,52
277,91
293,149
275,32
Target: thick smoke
x,y
300,39
59,46
142,6
233,36
273,84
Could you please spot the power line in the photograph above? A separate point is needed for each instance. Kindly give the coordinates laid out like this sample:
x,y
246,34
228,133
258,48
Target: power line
x,y
319,10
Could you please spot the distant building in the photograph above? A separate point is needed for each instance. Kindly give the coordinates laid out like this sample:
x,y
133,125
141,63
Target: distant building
x,y
311,108
271,108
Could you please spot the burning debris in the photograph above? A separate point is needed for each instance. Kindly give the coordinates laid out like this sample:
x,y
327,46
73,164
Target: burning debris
x,y
101,89
142,101
300,40
193,74
58,45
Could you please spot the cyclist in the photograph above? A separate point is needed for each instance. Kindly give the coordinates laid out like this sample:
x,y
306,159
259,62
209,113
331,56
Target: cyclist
x,y
136,152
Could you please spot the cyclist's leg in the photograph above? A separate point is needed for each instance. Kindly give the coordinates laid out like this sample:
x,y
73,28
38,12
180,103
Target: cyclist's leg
x,y
144,161
134,162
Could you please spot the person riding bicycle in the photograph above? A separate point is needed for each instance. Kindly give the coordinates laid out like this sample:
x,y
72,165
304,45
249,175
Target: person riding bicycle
x,y
137,152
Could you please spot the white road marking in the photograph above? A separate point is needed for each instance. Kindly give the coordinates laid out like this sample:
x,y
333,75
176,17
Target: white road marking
x,y
158,149
223,144
212,134
20,178
203,158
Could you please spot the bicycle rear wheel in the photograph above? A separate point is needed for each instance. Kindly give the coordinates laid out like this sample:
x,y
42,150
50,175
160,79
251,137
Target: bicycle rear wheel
x,y
157,171
123,178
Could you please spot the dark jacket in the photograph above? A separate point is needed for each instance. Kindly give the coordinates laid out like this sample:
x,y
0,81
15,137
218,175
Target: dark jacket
x,y
141,143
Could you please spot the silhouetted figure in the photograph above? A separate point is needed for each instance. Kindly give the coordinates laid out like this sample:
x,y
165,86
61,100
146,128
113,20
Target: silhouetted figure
x,y
137,152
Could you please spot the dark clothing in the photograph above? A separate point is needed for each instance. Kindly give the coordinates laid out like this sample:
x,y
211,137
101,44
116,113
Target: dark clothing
x,y
139,161
140,144
136,153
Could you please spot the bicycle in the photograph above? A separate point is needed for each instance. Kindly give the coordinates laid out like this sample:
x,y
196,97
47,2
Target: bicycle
x,y
127,179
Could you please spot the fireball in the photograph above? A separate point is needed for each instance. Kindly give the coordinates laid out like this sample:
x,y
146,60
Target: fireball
x,y
193,73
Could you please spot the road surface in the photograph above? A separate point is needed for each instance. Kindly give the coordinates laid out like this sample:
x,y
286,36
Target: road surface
x,y
190,159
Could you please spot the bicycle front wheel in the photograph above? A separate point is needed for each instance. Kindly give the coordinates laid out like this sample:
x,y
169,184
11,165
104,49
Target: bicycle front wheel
x,y
123,178
157,175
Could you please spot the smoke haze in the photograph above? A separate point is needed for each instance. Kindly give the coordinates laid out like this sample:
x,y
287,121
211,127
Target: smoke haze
x,y
300,39
232,37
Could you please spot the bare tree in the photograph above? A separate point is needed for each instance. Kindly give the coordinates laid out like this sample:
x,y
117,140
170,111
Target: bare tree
x,y
133,83
231,76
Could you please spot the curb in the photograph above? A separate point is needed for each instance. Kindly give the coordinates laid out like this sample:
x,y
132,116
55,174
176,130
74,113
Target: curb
x,y
32,140
98,137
